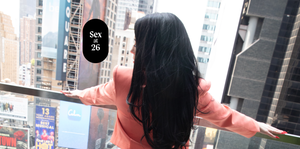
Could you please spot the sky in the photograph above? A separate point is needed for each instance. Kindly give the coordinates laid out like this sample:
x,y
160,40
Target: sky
x,y
12,8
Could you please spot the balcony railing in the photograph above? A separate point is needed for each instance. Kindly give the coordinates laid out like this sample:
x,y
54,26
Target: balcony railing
x,y
206,135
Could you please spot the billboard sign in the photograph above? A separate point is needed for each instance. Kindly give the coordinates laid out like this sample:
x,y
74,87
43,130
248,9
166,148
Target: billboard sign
x,y
63,39
50,28
74,120
93,9
13,107
45,127
14,138
98,128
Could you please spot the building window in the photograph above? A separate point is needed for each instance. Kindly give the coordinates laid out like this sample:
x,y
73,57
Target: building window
x,y
38,54
38,63
40,2
39,38
202,60
211,16
38,86
39,46
39,29
110,57
40,12
111,50
107,79
213,4
108,12
40,21
38,71
38,79
206,38
109,65
204,49
121,58
209,27
124,39
122,51
108,73
123,45
59,83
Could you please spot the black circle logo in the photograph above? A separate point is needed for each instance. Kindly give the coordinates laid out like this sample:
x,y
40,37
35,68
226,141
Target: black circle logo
x,y
95,41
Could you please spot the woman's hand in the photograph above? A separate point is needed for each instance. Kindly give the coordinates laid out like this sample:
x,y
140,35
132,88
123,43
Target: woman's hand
x,y
269,130
72,94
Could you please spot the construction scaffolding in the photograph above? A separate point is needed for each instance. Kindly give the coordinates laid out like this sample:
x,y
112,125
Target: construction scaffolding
x,y
71,82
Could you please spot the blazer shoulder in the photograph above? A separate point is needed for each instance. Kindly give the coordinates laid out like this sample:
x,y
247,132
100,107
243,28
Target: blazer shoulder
x,y
122,74
204,85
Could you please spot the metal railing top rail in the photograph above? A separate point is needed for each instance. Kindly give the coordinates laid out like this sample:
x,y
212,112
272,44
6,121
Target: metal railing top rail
x,y
289,138
43,93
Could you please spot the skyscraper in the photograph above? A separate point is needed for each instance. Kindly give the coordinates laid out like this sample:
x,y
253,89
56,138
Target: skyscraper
x,y
27,39
38,44
8,49
207,34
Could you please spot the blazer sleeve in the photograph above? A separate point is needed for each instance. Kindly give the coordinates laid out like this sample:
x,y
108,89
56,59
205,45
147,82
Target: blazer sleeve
x,y
104,94
222,115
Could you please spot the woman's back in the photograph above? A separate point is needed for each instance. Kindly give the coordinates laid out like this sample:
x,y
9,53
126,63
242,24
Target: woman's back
x,y
128,132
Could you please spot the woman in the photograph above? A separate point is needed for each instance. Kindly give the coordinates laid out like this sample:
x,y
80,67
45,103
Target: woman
x,y
44,135
158,99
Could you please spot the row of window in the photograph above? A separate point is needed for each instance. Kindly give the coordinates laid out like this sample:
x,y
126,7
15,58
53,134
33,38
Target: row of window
x,y
104,80
123,59
206,38
204,49
209,27
112,6
213,4
107,65
211,16
105,72
203,60
124,52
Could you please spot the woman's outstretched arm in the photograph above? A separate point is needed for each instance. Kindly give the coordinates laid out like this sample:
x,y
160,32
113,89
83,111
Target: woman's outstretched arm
x,y
223,116
104,94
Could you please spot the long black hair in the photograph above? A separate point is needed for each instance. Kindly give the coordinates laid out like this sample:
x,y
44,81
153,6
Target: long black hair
x,y
163,95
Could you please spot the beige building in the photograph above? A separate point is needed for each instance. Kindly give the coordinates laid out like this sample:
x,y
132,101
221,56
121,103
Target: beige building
x,y
9,53
48,80
124,42
27,39
106,66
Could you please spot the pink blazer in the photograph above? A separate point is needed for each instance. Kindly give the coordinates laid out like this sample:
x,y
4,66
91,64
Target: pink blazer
x,y
128,132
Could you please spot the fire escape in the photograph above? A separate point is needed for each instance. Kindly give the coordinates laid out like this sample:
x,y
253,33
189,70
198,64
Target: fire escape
x,y
74,45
